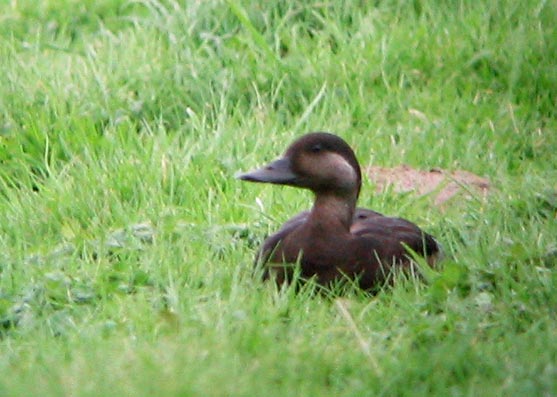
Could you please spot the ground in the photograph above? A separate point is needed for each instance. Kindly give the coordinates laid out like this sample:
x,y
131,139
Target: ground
x,y
126,243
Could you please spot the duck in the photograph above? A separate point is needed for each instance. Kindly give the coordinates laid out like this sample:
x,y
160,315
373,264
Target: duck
x,y
335,240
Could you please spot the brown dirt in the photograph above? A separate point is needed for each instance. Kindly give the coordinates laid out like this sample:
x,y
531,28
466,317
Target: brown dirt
x,y
441,184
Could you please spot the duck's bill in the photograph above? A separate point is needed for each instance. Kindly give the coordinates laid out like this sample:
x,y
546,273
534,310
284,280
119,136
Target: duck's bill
x,y
278,171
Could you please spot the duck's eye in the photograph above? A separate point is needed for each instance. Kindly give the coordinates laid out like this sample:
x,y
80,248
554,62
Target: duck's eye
x,y
316,148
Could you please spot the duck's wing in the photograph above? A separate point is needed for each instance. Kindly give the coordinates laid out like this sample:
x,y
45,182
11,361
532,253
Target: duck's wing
x,y
393,235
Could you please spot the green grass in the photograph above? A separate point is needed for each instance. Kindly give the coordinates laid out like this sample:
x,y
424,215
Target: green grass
x,y
126,244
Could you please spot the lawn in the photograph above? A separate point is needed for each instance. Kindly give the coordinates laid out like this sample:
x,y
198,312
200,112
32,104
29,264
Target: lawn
x,y
126,243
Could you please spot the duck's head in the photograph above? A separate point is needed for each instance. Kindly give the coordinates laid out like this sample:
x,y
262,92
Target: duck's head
x,y
319,161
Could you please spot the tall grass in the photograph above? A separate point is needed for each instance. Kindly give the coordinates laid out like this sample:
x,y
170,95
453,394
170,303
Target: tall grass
x,y
126,244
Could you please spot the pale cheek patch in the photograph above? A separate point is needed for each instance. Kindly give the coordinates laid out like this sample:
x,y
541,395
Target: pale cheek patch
x,y
336,166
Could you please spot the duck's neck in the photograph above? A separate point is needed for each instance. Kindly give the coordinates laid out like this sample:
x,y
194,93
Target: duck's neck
x,y
332,211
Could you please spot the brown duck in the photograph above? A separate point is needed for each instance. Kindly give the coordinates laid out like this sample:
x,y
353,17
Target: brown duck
x,y
334,240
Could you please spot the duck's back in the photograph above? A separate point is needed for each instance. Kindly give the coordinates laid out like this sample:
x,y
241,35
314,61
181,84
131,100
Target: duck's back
x,y
395,232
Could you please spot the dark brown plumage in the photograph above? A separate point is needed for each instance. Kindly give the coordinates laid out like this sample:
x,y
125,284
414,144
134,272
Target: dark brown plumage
x,y
335,239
